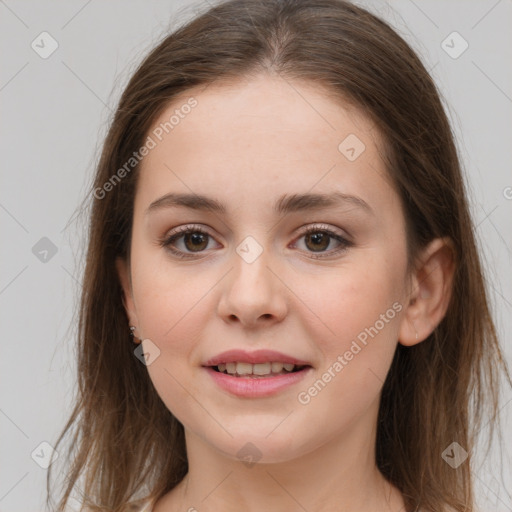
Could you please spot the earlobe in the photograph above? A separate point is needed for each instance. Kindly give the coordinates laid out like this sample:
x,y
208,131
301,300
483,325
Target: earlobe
x,y
431,292
123,272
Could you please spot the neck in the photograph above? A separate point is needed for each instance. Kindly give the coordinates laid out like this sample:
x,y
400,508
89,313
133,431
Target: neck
x,y
341,474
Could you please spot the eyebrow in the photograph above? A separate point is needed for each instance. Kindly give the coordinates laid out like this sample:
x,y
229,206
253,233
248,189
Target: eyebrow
x,y
287,203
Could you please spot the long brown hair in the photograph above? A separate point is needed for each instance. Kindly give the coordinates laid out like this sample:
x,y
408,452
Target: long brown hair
x,y
127,445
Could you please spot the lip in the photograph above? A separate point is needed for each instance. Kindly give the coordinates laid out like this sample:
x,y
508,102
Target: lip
x,y
251,387
258,356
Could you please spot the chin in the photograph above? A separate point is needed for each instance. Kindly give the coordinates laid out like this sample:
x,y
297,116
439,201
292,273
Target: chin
x,y
258,447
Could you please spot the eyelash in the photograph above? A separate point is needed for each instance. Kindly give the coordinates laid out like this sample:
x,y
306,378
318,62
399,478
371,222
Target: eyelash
x,y
166,242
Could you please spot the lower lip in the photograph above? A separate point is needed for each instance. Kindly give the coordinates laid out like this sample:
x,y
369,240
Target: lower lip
x,y
255,387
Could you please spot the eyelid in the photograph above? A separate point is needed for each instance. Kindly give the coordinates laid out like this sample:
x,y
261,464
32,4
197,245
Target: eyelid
x,y
187,227
319,226
302,230
343,238
177,233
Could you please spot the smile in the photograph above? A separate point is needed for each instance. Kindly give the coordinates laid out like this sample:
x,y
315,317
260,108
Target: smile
x,y
258,370
252,385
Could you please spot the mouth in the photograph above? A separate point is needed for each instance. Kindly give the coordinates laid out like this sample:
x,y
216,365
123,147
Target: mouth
x,y
257,380
258,370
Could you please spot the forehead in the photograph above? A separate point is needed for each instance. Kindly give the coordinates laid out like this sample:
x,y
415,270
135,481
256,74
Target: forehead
x,y
266,105
241,141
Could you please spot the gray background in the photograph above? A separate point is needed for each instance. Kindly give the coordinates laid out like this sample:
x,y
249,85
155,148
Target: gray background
x,y
54,114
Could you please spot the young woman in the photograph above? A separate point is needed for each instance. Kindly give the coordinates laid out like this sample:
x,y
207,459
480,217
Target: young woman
x,y
283,304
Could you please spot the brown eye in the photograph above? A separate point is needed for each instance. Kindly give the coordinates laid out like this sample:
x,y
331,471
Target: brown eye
x,y
187,241
318,238
317,241
195,241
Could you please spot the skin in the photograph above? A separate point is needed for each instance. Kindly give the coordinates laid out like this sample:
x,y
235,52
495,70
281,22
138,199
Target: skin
x,y
245,144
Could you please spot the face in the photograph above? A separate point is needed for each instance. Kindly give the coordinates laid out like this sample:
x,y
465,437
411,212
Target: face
x,y
321,282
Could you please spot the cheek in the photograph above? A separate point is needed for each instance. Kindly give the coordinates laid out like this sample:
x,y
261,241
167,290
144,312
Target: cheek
x,y
353,299
360,314
165,295
172,312
334,308
346,312
168,307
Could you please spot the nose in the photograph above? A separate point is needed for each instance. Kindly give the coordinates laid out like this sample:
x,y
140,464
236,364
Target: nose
x,y
253,294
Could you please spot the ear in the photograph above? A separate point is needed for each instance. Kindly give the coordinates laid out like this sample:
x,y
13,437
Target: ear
x,y
123,271
431,291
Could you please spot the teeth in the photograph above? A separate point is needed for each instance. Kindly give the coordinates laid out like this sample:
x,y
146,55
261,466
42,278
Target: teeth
x,y
261,368
243,368
255,369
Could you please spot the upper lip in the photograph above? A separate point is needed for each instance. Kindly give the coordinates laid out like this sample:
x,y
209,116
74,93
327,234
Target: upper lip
x,y
258,356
